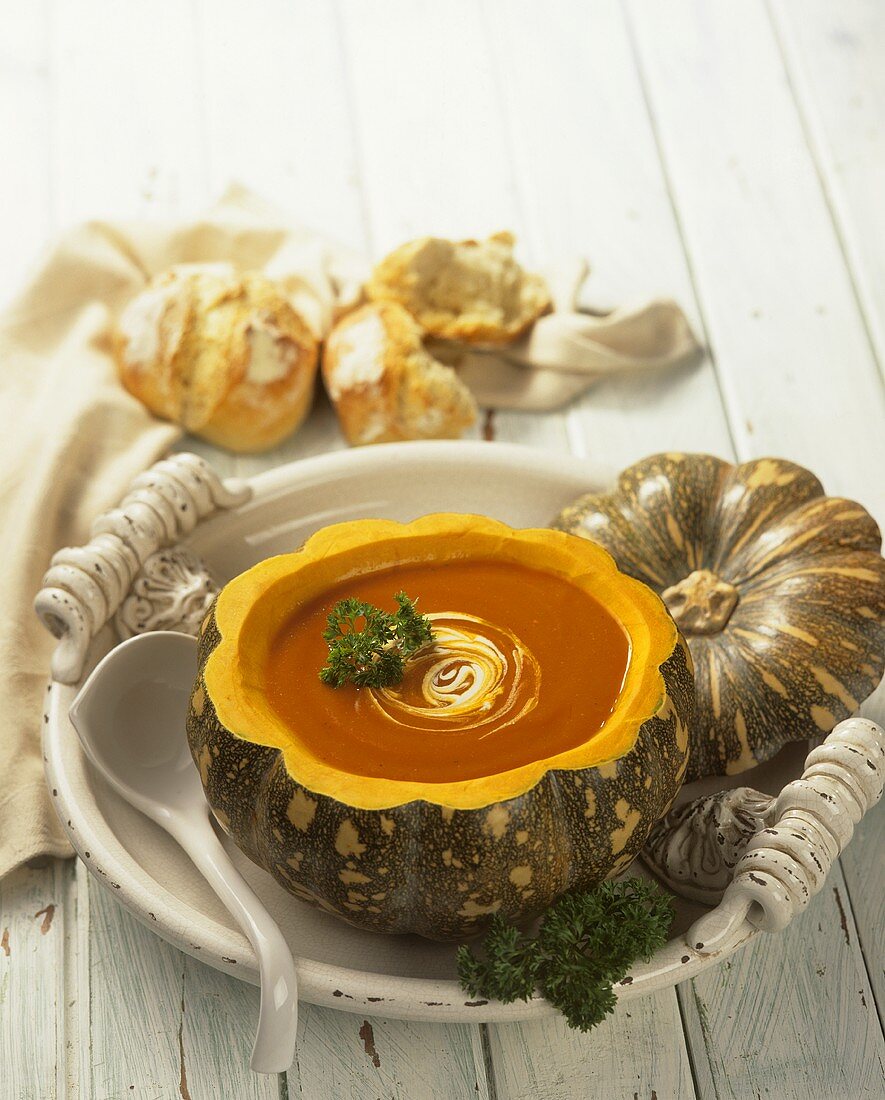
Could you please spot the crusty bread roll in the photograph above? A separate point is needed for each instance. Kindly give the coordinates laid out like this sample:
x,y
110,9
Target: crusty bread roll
x,y
222,353
470,291
385,386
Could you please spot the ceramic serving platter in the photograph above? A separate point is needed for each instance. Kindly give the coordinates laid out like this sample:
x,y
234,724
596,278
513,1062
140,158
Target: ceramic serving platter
x,y
340,966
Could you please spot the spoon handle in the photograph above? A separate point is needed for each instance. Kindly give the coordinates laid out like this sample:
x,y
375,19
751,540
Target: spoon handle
x,y
274,1048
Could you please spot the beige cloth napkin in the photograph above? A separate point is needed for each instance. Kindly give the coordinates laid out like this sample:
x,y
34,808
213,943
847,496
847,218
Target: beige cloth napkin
x,y
73,439
568,350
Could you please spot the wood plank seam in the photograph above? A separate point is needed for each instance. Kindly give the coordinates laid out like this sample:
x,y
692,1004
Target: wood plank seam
x,y
67,1069
353,120
574,435
50,30
826,191
850,922
530,234
685,989
488,1062
689,1000
727,401
284,1086
205,158
182,1061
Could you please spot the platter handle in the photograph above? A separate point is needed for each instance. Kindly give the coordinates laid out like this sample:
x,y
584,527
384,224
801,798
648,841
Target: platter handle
x,y
85,585
786,864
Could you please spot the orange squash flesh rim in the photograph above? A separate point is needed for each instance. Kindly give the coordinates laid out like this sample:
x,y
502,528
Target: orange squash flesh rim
x,y
252,608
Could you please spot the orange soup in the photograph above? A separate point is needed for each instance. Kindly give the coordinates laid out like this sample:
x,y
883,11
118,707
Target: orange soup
x,y
523,665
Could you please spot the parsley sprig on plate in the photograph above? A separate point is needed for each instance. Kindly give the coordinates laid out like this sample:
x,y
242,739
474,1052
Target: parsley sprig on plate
x,y
368,647
587,941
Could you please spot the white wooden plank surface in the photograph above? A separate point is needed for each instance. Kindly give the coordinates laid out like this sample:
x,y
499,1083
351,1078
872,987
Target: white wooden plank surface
x,y
158,1019
431,136
834,55
796,1032
32,982
126,122
864,871
216,1029
277,110
794,360
353,1058
25,184
639,1051
77,999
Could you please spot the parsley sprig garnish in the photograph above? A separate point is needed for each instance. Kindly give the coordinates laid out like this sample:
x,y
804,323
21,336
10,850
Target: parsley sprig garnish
x,y
587,941
368,647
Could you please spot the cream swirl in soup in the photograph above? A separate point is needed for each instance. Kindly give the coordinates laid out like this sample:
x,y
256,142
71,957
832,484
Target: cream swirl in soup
x,y
473,675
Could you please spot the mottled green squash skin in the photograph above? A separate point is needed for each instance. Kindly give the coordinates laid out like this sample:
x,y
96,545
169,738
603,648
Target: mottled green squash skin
x,y
805,642
424,868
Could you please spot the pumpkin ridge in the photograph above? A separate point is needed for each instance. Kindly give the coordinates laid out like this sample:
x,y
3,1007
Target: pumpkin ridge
x,y
554,779
870,564
741,509
865,540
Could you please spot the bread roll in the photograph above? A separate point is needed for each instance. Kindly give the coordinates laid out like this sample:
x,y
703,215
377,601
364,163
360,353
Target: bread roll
x,y
471,291
385,386
222,353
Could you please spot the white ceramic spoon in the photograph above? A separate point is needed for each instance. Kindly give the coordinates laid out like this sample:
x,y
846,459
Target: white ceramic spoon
x,y
130,717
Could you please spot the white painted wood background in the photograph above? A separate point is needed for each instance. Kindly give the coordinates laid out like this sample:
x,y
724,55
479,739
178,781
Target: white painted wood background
x,y
730,155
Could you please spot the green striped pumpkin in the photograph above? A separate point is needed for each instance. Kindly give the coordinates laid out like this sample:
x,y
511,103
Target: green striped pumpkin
x,y
778,589
438,859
